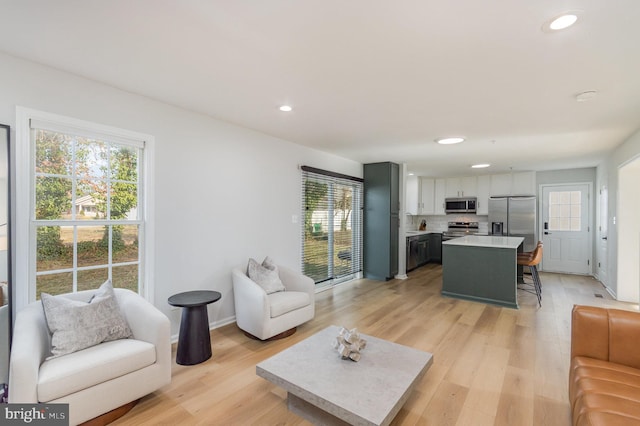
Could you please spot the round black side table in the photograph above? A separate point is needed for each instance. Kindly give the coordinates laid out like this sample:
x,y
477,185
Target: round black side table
x,y
194,341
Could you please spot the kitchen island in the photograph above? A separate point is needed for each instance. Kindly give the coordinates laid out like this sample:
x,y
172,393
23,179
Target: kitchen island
x,y
482,269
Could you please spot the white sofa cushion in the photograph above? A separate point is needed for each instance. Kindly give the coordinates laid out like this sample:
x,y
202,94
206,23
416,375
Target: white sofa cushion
x,y
287,301
74,372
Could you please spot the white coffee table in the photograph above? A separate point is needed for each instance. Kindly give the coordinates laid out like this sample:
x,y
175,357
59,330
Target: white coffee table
x,y
325,389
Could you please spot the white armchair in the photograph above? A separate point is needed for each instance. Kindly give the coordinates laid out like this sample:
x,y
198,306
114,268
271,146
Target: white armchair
x,y
98,379
266,316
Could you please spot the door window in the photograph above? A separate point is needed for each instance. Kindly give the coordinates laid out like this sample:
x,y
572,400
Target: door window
x,y
565,211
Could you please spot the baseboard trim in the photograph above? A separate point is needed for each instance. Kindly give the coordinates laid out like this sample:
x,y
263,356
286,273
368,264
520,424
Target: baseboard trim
x,y
611,292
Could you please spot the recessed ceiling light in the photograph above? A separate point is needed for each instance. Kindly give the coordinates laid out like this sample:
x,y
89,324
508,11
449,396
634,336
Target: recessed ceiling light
x,y
410,174
449,141
561,22
586,96
285,108
480,166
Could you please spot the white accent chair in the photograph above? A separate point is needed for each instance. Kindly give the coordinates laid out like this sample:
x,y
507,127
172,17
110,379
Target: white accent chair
x,y
98,379
263,315
4,325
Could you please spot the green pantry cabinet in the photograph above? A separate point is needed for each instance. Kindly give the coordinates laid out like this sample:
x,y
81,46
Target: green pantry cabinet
x,y
381,220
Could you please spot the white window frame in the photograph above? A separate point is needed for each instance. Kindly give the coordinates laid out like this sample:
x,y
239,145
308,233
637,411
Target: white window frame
x,y
24,254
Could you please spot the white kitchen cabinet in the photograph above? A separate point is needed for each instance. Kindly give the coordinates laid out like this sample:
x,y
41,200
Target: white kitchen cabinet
x,y
412,195
469,186
439,196
521,183
461,187
427,193
429,196
500,184
484,186
452,187
524,183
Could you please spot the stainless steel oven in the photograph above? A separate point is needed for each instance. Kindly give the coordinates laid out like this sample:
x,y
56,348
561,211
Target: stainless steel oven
x,y
459,229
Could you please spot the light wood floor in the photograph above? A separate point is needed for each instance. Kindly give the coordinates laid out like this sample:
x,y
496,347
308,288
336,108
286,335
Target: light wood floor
x,y
492,365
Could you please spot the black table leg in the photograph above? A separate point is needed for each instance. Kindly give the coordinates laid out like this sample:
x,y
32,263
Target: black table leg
x,y
194,343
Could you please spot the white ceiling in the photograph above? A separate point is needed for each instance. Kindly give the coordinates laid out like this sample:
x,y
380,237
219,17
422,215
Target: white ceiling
x,y
370,80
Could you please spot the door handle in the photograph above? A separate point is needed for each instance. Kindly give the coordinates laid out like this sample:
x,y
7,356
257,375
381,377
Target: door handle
x,y
547,233
604,238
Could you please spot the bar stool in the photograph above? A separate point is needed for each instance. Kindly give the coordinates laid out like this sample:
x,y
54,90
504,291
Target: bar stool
x,y
532,259
528,254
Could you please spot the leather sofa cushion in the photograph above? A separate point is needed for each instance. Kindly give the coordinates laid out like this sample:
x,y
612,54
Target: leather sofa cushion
x,y
604,393
587,322
287,301
609,419
589,368
611,409
606,334
74,372
624,332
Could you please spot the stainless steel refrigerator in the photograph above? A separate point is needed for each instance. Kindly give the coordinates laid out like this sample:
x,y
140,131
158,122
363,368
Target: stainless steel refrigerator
x,y
514,217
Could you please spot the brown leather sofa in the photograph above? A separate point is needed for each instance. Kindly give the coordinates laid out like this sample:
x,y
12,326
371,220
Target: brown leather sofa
x,y
604,377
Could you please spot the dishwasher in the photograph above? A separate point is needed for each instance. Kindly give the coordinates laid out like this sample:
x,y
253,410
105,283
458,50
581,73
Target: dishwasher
x,y
413,252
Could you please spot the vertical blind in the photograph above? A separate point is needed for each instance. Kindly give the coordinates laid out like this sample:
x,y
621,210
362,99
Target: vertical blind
x,y
331,225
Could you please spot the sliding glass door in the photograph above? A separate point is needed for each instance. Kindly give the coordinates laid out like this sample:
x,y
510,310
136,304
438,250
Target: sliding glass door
x,y
331,228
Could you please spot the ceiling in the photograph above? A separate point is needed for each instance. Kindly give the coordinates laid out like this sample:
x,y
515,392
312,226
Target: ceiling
x,y
372,80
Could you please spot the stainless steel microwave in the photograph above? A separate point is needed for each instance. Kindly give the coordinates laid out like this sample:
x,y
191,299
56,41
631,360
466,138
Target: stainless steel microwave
x,y
460,205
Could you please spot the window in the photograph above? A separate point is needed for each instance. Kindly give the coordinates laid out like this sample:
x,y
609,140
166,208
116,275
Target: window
x,y
88,220
332,226
565,211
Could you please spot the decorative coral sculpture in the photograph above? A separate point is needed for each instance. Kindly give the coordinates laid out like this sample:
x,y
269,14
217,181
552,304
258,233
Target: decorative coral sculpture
x,y
349,344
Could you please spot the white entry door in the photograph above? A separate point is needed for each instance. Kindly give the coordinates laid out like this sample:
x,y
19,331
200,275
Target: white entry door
x,y
565,220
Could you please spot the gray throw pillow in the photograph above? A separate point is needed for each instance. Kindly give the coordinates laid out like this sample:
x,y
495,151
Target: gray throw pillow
x,y
269,264
75,325
265,275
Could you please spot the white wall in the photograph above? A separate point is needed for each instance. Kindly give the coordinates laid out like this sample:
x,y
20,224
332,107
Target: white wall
x,y
629,240
608,175
223,193
586,174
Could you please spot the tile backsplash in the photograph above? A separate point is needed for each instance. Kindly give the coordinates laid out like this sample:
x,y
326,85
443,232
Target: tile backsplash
x,y
440,223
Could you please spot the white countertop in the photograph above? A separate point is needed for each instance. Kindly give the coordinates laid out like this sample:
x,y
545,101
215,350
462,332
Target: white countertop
x,y
414,233
486,241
